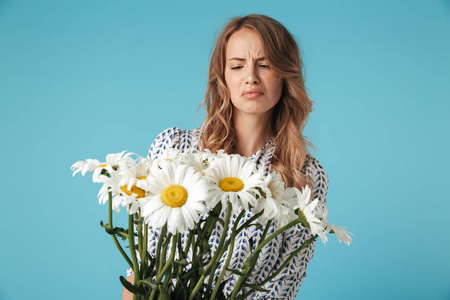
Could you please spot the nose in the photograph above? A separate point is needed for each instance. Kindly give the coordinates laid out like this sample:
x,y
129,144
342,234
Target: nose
x,y
252,75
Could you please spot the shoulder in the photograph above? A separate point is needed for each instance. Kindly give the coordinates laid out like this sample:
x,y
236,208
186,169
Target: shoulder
x,y
318,177
173,138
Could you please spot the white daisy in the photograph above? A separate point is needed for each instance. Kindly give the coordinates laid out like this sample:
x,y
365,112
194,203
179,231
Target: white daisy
x,y
274,204
308,213
212,156
171,154
201,160
178,195
124,193
321,212
235,179
287,213
84,166
341,233
136,173
113,161
197,160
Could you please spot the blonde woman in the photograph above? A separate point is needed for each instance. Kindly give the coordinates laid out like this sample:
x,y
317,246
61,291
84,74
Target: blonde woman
x,y
257,106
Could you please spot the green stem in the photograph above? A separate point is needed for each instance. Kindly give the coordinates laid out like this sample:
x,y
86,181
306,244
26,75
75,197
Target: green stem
x,y
166,280
164,252
133,251
153,294
144,258
250,263
224,269
234,233
158,247
260,246
195,263
216,254
189,241
275,234
158,256
169,260
116,242
291,256
161,260
222,238
181,255
249,221
140,244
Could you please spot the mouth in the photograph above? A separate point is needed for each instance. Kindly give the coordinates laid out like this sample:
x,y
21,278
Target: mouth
x,y
252,93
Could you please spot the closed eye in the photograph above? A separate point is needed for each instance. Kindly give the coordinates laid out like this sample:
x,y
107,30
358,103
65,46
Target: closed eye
x,y
240,67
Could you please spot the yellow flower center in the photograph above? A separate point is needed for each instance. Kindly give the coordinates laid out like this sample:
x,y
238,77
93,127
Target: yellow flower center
x,y
142,178
102,165
231,184
174,195
134,190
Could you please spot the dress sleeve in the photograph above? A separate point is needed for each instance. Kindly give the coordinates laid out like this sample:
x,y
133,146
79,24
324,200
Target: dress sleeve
x,y
167,139
286,284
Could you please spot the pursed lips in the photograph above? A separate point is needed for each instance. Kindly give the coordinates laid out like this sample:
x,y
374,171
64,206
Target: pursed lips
x,y
252,91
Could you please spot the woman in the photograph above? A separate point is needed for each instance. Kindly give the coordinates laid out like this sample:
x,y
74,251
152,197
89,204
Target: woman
x,y
257,106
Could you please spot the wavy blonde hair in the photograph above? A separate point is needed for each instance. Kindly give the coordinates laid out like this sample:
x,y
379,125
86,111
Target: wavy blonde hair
x,y
290,114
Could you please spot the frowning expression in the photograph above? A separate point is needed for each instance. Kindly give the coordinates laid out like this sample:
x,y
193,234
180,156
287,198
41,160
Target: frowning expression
x,y
254,86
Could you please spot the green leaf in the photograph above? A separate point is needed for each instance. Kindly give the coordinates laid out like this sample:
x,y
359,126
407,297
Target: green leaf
x,y
238,272
151,270
187,276
148,282
163,295
120,232
220,295
182,262
216,210
184,292
204,247
251,242
210,222
257,225
201,271
133,289
255,287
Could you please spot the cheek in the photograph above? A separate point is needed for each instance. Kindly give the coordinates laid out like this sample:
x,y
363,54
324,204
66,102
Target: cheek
x,y
277,87
228,81
231,84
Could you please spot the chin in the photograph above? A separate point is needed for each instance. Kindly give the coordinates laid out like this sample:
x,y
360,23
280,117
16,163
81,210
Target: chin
x,y
254,111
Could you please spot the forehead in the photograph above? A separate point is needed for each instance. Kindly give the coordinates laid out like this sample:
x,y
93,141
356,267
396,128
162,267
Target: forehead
x,y
244,43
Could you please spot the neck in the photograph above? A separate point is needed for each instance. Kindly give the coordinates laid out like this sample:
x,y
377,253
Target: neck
x,y
252,132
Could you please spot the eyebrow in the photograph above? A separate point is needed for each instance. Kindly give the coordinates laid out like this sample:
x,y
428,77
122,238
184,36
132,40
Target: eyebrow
x,y
243,59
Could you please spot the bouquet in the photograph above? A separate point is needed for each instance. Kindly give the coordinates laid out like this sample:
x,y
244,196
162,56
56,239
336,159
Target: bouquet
x,y
182,199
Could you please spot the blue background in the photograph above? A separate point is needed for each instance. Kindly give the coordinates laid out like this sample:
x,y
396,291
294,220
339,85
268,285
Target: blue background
x,y
80,79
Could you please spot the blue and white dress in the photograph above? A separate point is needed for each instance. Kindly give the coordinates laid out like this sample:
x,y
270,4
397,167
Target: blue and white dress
x,y
287,283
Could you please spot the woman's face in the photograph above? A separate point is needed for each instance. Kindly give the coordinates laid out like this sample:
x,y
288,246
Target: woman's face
x,y
254,87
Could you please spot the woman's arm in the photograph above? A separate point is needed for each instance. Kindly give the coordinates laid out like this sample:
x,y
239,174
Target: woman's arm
x,y
126,295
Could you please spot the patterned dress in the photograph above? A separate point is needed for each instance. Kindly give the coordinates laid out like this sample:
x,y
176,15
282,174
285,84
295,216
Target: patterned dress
x,y
287,283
